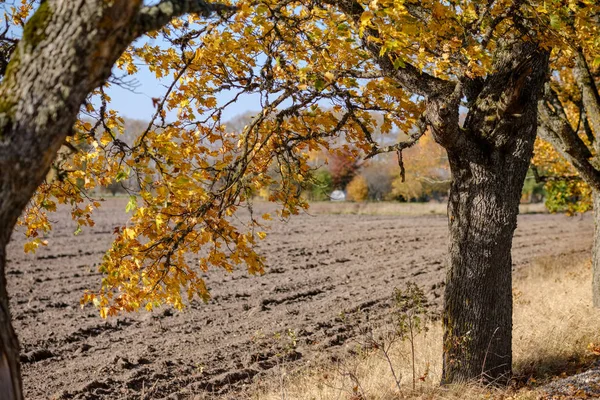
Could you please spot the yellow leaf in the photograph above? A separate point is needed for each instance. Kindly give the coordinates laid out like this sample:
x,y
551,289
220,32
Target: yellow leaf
x,y
197,56
366,18
129,233
31,247
105,139
159,220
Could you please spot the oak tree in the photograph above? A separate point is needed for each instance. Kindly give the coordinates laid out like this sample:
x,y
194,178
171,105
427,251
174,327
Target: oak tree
x,y
319,70
64,52
570,118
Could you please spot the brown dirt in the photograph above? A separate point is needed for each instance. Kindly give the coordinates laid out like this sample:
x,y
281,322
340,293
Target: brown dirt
x,y
322,269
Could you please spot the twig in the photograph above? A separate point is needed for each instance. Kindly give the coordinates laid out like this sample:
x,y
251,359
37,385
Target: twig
x,y
421,126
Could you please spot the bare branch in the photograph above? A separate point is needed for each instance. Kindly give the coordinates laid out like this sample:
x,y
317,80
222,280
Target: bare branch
x,y
398,147
554,127
154,17
590,97
554,178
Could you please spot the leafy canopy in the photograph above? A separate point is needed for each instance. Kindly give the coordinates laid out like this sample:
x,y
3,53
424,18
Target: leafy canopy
x,y
569,120
321,71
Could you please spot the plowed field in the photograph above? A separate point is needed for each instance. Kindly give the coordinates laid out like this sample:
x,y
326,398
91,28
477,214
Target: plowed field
x,y
321,269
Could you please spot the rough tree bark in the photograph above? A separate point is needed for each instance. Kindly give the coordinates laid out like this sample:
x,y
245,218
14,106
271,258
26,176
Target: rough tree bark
x,y
67,50
489,157
596,249
556,128
591,102
10,369
482,211
488,172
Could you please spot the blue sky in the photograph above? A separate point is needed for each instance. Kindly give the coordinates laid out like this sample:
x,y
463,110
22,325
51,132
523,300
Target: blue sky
x,y
137,104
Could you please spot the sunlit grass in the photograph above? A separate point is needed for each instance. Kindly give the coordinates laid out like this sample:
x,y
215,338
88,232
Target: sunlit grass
x,y
554,324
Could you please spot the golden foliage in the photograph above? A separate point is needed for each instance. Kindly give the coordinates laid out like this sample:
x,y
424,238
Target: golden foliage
x,y
427,171
358,189
318,88
565,191
573,28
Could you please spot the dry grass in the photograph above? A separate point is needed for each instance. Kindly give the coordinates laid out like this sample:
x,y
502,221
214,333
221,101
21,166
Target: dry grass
x,y
378,208
396,208
554,323
554,317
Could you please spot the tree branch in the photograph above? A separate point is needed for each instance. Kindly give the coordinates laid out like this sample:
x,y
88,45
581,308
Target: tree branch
x,y
151,18
590,97
408,76
555,128
414,137
552,178
7,47
555,120
489,32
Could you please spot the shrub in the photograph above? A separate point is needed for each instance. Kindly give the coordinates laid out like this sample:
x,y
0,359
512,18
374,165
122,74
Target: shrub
x,y
320,186
358,189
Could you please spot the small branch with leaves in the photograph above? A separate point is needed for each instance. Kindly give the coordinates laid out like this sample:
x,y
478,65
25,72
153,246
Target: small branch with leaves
x,y
421,128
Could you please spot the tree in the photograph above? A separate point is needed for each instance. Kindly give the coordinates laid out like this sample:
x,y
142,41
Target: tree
x,y
570,120
343,167
379,175
320,186
358,189
534,191
565,191
51,72
320,69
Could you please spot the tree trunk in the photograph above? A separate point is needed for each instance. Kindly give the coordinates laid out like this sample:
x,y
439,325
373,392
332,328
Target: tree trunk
x,y
488,171
482,210
10,372
591,101
556,128
67,50
46,82
596,249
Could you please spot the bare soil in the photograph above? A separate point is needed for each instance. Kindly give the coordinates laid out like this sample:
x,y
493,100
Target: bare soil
x,y
322,271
